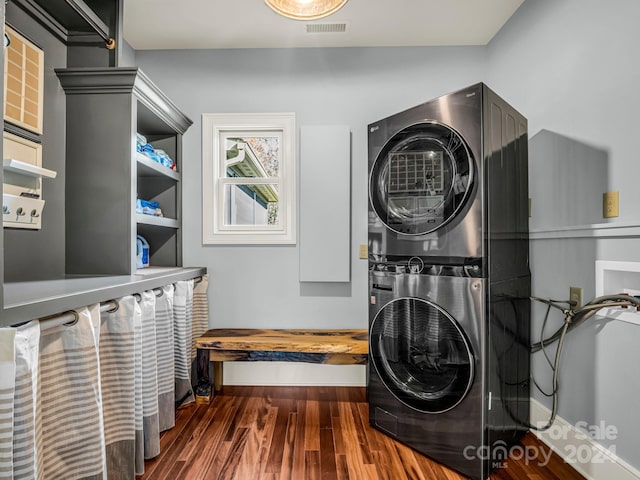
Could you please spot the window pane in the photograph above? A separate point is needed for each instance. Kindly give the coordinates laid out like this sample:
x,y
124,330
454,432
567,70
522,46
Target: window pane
x,y
250,165
252,156
251,204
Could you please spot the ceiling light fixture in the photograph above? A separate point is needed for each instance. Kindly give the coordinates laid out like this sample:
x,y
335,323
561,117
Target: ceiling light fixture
x,y
305,9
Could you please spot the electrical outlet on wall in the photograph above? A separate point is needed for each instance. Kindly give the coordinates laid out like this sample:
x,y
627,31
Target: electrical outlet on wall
x,y
575,295
610,204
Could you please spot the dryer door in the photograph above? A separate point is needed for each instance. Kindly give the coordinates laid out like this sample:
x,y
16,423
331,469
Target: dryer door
x,y
421,354
421,178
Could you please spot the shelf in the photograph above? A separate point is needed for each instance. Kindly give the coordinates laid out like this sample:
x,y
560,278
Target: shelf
x,y
153,271
149,168
25,301
23,168
157,221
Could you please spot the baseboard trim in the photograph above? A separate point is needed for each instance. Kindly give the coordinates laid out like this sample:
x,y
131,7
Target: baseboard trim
x,y
294,374
585,455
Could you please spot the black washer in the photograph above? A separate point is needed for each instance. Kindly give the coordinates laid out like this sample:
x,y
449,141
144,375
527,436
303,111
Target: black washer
x,y
421,354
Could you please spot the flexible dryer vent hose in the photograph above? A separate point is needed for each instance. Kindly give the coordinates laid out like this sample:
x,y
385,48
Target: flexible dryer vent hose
x,y
578,316
572,319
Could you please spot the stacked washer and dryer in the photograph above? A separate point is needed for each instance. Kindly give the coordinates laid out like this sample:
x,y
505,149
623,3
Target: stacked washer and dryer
x,y
449,280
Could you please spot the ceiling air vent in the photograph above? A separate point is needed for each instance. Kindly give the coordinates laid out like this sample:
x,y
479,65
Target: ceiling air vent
x,y
326,27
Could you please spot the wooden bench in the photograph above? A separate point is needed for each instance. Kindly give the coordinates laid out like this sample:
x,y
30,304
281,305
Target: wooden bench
x,y
334,347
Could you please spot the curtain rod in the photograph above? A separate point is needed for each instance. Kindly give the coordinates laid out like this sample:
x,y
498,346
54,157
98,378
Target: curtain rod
x,y
71,317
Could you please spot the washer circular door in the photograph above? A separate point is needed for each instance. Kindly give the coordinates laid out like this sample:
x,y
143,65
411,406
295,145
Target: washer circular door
x,y
421,178
421,355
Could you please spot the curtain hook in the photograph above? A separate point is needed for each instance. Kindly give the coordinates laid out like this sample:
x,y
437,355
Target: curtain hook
x,y
76,317
114,309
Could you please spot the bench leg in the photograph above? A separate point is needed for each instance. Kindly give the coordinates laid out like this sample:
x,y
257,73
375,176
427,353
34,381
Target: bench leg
x,y
204,394
217,376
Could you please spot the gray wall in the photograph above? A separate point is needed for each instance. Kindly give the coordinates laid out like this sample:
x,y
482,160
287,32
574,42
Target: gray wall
x,y
568,66
128,55
257,286
39,254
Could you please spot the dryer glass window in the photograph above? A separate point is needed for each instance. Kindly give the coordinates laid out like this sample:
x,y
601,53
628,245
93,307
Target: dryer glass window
x,y
421,355
421,178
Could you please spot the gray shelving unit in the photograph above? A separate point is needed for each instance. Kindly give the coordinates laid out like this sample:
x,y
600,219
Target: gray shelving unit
x,y
105,174
85,251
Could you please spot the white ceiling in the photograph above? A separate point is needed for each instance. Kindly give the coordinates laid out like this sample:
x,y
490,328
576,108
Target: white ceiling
x,y
171,24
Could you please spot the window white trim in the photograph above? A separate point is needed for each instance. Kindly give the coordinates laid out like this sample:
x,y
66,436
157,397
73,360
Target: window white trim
x,y
215,128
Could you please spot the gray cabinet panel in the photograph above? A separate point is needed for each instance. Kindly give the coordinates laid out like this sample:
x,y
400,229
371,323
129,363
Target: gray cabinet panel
x,y
100,184
40,254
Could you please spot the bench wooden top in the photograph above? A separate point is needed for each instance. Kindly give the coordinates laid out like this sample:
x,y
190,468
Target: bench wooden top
x,y
353,342
219,345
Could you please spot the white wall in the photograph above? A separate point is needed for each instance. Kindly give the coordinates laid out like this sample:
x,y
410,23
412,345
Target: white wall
x,y
570,67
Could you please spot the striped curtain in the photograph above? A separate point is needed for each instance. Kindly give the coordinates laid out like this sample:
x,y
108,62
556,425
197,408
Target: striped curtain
x,y
69,426
200,319
18,392
164,355
25,401
7,392
139,422
117,366
88,401
150,417
183,345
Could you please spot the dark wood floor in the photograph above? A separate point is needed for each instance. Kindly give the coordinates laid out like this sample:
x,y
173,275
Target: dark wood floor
x,y
303,433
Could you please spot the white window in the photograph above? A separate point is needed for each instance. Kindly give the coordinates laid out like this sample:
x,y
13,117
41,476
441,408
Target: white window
x,y
248,175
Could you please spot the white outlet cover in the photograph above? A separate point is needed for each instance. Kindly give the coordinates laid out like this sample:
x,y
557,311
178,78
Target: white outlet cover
x,y
618,277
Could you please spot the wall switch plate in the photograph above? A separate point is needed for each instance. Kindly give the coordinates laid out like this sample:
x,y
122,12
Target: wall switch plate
x,y
575,295
610,205
364,251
